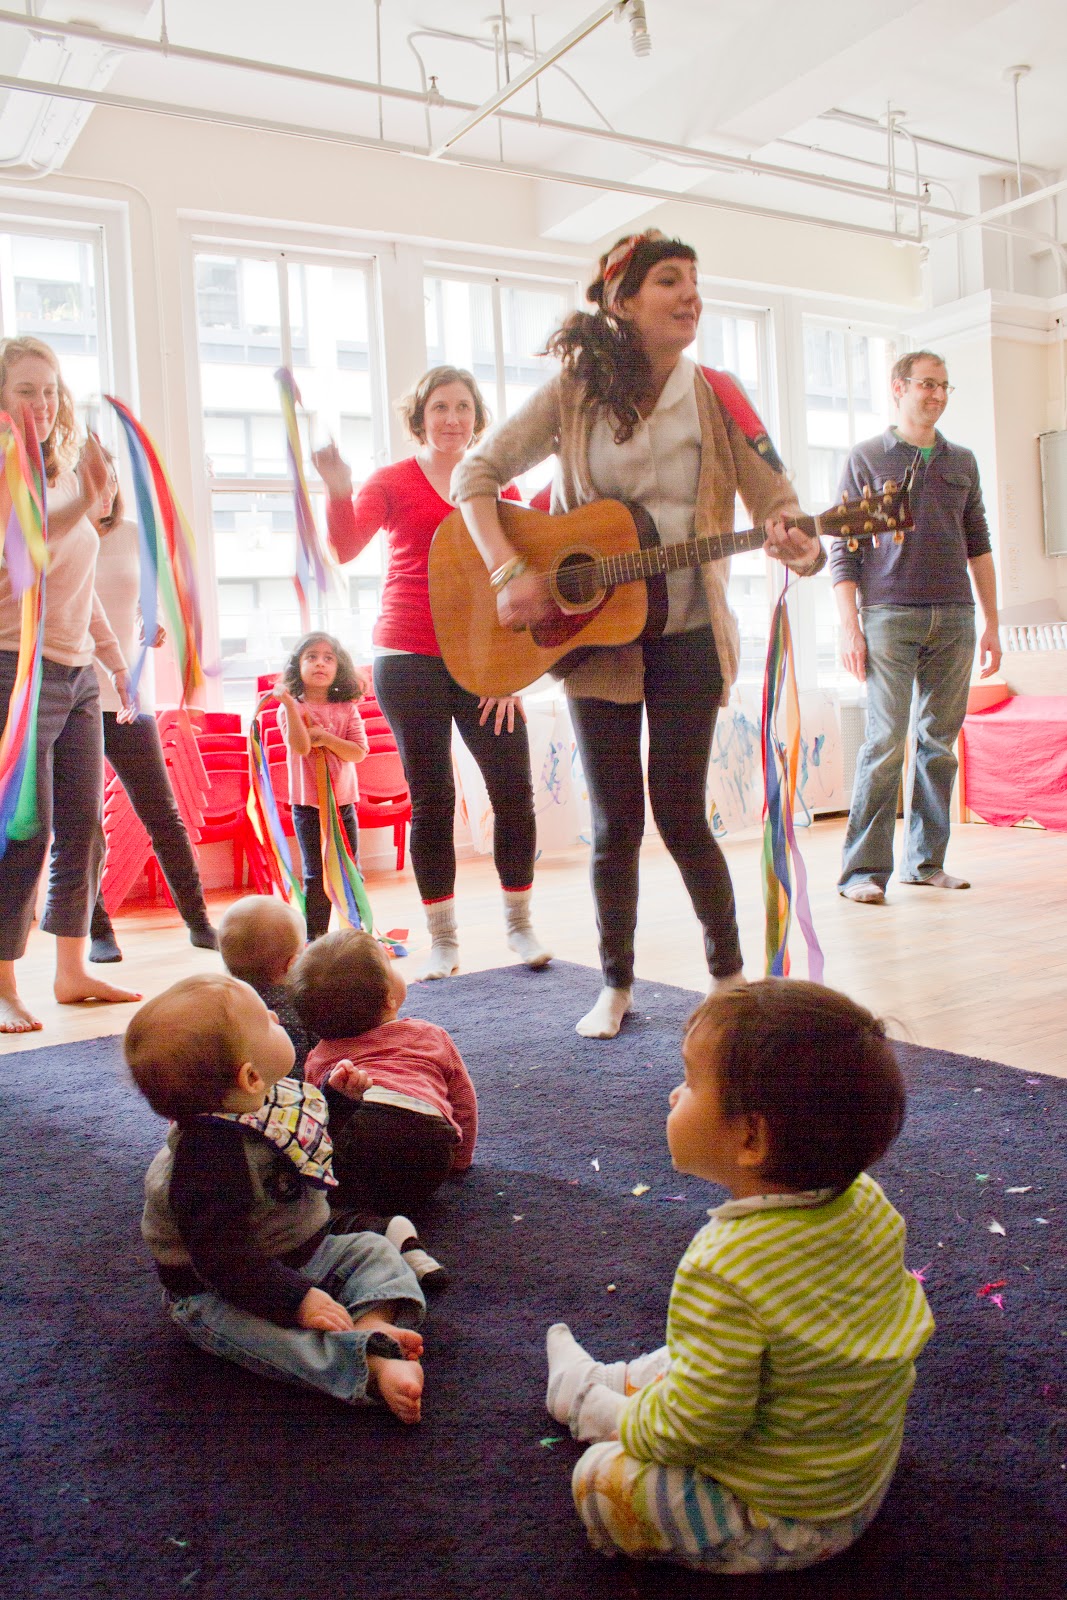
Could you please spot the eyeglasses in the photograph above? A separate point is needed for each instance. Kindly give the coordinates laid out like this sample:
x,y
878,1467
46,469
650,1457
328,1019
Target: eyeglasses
x,y
931,385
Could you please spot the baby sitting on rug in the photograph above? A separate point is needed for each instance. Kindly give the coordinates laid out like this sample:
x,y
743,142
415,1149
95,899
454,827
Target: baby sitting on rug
x,y
259,939
764,1436
403,1111
236,1213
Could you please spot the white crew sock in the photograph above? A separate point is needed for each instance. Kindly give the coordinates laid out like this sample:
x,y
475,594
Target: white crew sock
x,y
584,1394
605,1019
521,937
443,959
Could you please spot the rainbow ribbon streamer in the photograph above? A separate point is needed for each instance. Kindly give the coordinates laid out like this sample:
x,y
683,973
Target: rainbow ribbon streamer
x,y
168,558
341,877
310,552
782,861
24,514
266,820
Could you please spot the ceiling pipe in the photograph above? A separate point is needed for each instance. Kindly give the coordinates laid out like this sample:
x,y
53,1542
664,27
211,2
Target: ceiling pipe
x,y
534,70
508,168
982,217
875,125
714,162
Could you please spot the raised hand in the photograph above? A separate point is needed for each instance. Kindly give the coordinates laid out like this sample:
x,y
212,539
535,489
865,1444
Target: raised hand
x,y
334,471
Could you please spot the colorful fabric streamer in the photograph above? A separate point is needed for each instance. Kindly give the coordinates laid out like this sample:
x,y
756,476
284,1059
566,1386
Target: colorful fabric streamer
x,y
23,512
310,552
341,878
782,861
266,820
168,559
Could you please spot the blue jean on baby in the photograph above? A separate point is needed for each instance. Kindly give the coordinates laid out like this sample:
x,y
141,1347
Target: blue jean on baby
x,y
362,1271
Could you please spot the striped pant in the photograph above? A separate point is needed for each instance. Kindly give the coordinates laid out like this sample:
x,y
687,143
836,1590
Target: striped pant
x,y
638,1508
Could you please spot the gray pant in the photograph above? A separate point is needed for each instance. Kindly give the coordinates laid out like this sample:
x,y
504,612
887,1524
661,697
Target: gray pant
x,y
70,780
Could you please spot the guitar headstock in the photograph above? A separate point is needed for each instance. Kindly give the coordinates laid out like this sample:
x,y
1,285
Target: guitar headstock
x,y
877,511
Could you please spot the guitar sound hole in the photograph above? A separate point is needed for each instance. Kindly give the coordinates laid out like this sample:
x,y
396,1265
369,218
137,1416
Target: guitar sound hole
x,y
575,582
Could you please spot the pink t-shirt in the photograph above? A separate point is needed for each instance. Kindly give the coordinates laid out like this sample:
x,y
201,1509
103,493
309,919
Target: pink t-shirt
x,y
410,1057
342,719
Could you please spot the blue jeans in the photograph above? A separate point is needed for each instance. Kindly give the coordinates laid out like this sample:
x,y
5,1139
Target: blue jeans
x,y
361,1270
927,651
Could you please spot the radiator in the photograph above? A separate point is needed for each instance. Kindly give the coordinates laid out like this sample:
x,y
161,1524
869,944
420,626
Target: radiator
x,y
853,717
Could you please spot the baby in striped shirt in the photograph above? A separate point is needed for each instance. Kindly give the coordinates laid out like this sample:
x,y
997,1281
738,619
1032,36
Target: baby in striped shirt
x,y
764,1435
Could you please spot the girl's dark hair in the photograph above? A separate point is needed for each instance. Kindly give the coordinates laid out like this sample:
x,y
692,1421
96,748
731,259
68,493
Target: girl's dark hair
x,y
118,505
346,685
340,985
602,351
816,1066
412,407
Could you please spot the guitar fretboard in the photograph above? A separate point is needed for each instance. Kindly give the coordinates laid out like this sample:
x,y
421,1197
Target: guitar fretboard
x,y
630,565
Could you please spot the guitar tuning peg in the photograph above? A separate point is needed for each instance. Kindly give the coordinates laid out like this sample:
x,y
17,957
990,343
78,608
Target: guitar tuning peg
x,y
868,527
890,522
889,488
866,491
844,497
853,543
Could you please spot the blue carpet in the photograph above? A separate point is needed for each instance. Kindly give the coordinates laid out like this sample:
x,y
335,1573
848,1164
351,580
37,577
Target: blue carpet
x,y
138,1467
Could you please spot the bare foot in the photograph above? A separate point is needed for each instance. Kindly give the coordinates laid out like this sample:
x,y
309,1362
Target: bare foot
x,y
409,1339
14,1018
74,989
398,1384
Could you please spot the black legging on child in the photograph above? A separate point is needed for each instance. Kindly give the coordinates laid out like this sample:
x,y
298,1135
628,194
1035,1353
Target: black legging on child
x,y
317,903
421,700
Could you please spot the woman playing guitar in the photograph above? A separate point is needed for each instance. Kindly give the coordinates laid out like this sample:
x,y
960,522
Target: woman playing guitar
x,y
630,417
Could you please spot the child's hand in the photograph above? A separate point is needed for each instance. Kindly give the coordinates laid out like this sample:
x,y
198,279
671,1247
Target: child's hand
x,y
318,736
319,1310
350,1080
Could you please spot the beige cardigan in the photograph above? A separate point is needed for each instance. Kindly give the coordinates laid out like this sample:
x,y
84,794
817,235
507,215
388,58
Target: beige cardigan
x,y
554,421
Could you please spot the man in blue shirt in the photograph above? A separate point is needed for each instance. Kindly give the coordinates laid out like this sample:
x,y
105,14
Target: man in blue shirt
x,y
908,626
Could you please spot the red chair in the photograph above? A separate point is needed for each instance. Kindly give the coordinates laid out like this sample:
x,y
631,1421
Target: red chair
x,y
384,801
226,816
214,721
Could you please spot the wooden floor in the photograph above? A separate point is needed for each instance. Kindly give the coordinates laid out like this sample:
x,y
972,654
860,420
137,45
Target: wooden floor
x,y
982,972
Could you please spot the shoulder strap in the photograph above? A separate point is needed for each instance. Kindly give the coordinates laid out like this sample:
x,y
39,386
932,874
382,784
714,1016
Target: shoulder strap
x,y
735,403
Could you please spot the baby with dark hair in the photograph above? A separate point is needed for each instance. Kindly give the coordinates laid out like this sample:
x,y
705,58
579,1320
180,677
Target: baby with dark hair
x,y
403,1111
764,1435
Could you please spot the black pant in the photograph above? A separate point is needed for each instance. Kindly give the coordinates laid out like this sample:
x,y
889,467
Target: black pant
x,y
70,779
421,700
306,825
386,1158
683,689
134,750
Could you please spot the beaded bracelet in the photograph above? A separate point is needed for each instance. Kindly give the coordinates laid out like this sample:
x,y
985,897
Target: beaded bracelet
x,y
513,567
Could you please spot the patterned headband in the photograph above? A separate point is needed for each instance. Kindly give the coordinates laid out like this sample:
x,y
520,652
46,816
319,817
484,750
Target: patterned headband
x,y
618,261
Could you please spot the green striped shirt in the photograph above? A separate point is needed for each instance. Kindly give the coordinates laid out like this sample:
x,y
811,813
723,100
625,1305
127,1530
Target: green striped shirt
x,y
792,1329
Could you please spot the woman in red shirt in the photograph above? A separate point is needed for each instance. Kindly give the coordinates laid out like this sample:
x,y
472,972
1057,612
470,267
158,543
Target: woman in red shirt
x,y
420,698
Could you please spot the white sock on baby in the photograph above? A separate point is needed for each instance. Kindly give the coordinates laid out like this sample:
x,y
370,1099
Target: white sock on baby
x,y
605,1019
584,1394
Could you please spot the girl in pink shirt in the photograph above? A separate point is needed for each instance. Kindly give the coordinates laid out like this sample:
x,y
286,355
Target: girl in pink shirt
x,y
318,694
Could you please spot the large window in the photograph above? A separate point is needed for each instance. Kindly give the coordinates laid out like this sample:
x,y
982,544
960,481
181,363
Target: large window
x,y
495,330
734,340
49,290
256,312
846,399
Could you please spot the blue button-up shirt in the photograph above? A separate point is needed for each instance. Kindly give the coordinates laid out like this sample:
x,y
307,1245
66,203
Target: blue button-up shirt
x,y
930,567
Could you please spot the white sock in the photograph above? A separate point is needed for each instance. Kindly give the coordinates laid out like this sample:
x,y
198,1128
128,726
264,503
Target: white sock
x,y
605,1019
521,937
598,1413
570,1369
443,959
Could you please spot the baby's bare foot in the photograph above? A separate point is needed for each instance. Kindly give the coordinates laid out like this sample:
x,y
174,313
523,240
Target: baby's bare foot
x,y
409,1339
80,987
14,1018
398,1384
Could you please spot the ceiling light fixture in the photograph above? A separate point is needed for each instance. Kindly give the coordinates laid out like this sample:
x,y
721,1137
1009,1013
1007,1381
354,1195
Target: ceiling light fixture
x,y
640,38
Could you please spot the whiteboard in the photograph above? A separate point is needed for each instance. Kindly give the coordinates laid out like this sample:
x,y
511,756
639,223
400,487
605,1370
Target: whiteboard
x,y
1054,490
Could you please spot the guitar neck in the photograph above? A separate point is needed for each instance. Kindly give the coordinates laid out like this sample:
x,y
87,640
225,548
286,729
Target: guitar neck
x,y
632,565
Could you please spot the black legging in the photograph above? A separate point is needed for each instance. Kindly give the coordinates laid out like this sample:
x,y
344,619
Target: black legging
x,y
421,700
136,754
683,690
308,829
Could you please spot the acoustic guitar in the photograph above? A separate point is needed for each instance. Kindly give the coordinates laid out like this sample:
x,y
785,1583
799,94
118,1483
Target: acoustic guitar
x,y
603,569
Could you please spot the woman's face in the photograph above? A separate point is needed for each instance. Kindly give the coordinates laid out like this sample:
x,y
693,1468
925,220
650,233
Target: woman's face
x,y
33,381
448,418
665,311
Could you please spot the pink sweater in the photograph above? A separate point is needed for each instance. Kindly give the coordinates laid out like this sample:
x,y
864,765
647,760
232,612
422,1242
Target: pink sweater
x,y
341,718
410,1057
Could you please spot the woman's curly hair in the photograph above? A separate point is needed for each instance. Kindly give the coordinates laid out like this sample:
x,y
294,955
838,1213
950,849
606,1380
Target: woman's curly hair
x,y
345,686
62,447
602,351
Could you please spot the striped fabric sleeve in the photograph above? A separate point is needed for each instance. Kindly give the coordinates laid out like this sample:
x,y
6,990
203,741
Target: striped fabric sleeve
x,y
708,1397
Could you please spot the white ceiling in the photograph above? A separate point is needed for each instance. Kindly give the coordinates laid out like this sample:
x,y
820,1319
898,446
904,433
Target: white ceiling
x,y
772,88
